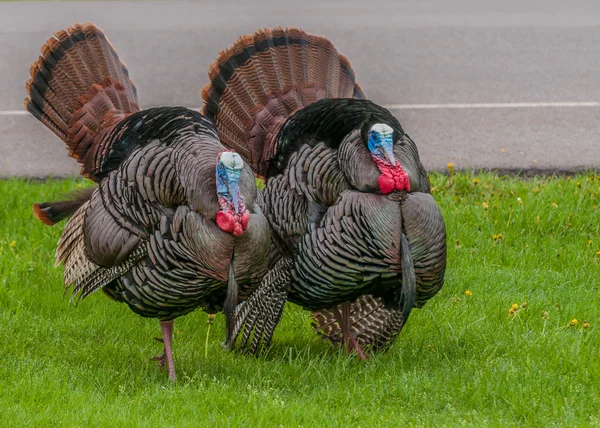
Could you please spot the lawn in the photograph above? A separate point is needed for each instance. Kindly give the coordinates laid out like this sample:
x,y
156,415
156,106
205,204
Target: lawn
x,y
532,245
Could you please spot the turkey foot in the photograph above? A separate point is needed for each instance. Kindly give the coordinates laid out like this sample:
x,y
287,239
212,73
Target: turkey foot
x,y
167,356
162,358
347,336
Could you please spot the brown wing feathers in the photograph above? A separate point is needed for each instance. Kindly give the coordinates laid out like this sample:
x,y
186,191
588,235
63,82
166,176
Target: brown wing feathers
x,y
263,78
80,89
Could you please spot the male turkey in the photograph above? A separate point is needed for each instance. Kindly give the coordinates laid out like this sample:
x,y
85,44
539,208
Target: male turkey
x,y
173,224
356,237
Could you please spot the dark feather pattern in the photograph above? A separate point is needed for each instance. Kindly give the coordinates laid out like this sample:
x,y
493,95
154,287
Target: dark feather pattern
x,y
147,234
288,101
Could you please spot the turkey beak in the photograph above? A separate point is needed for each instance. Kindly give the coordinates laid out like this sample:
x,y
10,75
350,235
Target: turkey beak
x,y
388,153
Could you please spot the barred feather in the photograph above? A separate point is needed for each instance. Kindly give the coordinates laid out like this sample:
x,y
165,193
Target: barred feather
x,y
263,78
80,90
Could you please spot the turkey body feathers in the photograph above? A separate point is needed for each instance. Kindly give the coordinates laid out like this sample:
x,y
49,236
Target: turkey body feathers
x,y
376,323
288,101
148,234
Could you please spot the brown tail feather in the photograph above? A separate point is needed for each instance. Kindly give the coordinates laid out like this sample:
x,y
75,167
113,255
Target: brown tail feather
x,y
51,213
80,89
263,78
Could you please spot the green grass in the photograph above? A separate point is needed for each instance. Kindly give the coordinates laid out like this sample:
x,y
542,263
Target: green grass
x,y
463,359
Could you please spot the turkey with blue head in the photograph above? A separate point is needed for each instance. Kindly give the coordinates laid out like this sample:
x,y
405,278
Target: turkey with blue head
x,y
356,236
172,224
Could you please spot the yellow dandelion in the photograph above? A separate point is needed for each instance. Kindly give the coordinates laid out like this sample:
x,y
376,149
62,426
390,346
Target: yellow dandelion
x,y
515,306
450,166
511,311
586,324
497,237
579,184
476,181
574,322
554,205
597,252
468,293
13,244
589,242
485,205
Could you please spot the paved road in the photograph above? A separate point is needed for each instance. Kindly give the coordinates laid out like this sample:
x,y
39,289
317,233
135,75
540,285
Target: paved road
x,y
426,58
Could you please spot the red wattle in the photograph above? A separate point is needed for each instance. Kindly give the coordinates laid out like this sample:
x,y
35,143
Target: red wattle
x,y
225,221
245,219
386,183
402,181
237,230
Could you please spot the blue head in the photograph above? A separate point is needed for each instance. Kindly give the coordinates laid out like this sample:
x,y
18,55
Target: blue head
x,y
381,143
229,169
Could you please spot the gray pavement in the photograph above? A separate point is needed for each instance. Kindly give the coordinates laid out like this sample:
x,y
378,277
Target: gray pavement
x,y
435,53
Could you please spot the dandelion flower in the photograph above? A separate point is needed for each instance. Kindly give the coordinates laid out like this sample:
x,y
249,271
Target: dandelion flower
x,y
586,324
515,306
450,166
574,322
497,237
485,205
511,311
589,242
476,181
468,293
13,244
597,252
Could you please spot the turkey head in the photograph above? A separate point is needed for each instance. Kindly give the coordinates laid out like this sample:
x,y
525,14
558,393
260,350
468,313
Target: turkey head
x,y
232,216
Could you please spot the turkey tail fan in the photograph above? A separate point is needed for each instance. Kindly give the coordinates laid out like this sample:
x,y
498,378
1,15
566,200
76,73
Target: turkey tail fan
x,y
372,324
51,213
80,89
263,78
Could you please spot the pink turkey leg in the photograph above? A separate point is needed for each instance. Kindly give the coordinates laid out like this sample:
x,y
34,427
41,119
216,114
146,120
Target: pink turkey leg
x,y
344,320
167,334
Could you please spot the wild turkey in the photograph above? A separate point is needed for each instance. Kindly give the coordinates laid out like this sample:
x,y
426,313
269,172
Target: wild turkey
x,y
346,195
173,224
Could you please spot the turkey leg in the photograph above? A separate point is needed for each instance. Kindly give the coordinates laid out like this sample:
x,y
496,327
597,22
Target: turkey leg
x,y
167,355
344,320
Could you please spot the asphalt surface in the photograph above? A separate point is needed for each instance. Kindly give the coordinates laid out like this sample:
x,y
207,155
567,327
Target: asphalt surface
x,y
429,57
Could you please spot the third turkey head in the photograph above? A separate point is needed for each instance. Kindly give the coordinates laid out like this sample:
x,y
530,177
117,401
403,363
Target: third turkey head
x,y
232,216
380,142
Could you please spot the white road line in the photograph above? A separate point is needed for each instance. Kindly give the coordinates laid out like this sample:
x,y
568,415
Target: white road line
x,y
490,105
13,112
560,104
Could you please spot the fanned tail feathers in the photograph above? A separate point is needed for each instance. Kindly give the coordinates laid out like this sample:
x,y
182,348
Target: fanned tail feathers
x,y
80,89
263,78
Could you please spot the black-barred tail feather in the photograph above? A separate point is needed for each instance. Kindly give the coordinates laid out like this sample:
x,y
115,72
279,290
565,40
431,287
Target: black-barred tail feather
x,y
263,78
80,90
